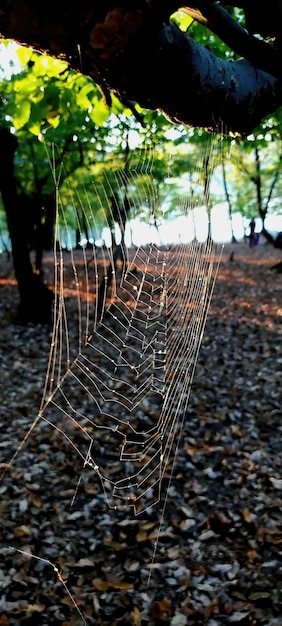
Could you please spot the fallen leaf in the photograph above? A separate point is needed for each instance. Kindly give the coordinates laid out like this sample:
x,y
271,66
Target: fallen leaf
x,y
276,482
219,522
121,584
238,617
35,499
100,585
85,563
34,608
259,595
136,616
22,531
247,516
178,620
104,585
161,609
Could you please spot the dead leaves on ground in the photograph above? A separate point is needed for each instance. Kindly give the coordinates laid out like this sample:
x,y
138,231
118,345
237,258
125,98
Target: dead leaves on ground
x,y
216,558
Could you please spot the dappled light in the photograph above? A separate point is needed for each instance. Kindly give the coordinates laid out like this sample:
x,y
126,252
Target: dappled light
x,y
222,523
8,281
245,273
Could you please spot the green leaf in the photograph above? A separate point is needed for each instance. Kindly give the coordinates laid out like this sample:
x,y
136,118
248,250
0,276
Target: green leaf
x,y
26,84
182,19
53,120
99,112
52,95
21,113
84,96
48,66
35,128
37,117
24,55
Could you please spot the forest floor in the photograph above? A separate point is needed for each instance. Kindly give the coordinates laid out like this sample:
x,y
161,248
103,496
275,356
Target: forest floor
x,y
216,558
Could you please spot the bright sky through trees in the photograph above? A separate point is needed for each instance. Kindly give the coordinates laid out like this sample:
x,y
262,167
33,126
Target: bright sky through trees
x,y
9,62
221,229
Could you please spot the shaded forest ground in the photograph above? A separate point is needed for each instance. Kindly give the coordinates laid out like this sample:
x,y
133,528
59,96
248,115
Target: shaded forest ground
x,y
218,560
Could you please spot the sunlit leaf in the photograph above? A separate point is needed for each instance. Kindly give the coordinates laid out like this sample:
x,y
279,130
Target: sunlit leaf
x,y
182,19
99,112
53,120
24,54
117,107
22,113
48,65
84,96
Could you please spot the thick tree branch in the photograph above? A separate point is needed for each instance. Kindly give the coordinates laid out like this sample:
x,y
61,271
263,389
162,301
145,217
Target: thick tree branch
x,y
261,54
188,83
124,49
210,14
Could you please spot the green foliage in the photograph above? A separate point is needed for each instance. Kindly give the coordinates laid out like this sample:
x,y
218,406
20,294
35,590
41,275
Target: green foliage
x,y
46,94
105,149
205,37
254,174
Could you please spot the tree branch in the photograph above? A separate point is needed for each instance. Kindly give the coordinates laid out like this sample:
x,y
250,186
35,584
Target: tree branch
x,y
189,84
261,54
128,51
210,14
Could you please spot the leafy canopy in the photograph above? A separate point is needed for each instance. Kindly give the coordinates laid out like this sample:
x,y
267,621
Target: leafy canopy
x,y
47,103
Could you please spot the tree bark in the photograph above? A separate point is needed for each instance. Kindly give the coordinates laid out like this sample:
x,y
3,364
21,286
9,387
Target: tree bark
x,y
228,199
262,208
126,49
35,298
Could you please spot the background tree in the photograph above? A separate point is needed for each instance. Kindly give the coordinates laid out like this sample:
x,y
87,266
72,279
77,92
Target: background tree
x,y
46,104
258,164
138,53
227,197
45,101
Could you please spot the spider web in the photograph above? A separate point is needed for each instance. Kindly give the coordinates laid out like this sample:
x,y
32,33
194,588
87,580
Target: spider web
x,y
118,388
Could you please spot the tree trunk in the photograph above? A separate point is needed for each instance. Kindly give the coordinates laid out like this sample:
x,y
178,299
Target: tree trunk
x,y
262,209
35,299
228,200
207,174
